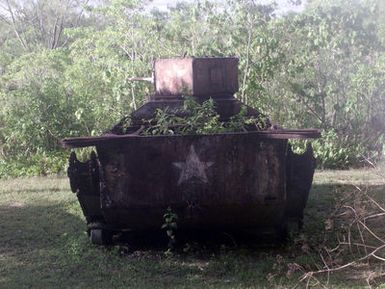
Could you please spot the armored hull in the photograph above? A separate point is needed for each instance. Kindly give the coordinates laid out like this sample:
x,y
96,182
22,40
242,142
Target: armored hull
x,y
248,179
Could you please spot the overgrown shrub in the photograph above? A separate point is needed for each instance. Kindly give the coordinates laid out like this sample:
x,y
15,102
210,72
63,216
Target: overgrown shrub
x,y
38,164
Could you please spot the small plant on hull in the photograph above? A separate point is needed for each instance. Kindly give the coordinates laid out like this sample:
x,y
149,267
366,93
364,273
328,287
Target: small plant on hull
x,y
165,122
202,118
170,225
243,122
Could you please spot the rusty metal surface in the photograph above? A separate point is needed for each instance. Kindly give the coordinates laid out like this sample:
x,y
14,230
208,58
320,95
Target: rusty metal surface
x,y
215,77
216,180
77,142
85,183
299,178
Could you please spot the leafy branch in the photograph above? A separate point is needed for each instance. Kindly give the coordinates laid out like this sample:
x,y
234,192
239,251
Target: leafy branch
x,y
201,119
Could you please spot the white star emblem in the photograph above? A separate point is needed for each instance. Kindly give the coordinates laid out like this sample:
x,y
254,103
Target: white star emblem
x,y
192,167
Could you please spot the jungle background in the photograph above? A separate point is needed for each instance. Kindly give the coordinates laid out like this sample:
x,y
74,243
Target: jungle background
x,y
65,69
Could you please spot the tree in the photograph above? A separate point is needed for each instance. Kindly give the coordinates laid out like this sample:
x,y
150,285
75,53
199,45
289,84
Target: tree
x,y
40,24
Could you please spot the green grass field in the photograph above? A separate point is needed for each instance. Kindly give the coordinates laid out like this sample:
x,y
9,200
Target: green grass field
x,y
43,244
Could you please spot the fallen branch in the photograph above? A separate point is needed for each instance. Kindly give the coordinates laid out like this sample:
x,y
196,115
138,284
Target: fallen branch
x,y
329,270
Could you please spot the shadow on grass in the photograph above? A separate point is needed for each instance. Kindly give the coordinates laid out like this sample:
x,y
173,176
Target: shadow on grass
x,y
34,243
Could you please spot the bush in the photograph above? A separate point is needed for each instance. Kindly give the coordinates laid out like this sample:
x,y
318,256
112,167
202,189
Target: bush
x,y
39,164
334,151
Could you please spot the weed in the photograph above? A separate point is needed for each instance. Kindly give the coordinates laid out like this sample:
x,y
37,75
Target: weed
x,y
170,225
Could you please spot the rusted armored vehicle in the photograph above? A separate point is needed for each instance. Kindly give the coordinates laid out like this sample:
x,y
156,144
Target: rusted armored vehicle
x,y
248,179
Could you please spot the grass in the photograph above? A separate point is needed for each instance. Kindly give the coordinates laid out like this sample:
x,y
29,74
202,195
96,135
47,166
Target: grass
x,y
43,245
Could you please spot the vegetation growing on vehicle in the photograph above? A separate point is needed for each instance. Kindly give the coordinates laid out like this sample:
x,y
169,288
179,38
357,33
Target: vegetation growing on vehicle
x,y
201,119
170,226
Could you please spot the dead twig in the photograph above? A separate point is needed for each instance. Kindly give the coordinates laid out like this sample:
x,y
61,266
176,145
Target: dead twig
x,y
329,270
352,214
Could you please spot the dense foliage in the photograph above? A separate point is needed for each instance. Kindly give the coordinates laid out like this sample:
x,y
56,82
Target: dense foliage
x,y
201,119
65,68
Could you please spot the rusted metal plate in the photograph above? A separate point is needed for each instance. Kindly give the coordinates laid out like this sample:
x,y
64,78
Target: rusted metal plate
x,y
173,77
85,182
215,77
77,142
299,178
217,180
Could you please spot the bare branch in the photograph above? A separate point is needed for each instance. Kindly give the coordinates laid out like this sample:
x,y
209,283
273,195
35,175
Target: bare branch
x,y
358,245
379,258
53,40
77,19
372,254
376,203
22,42
372,233
374,216
355,214
5,20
